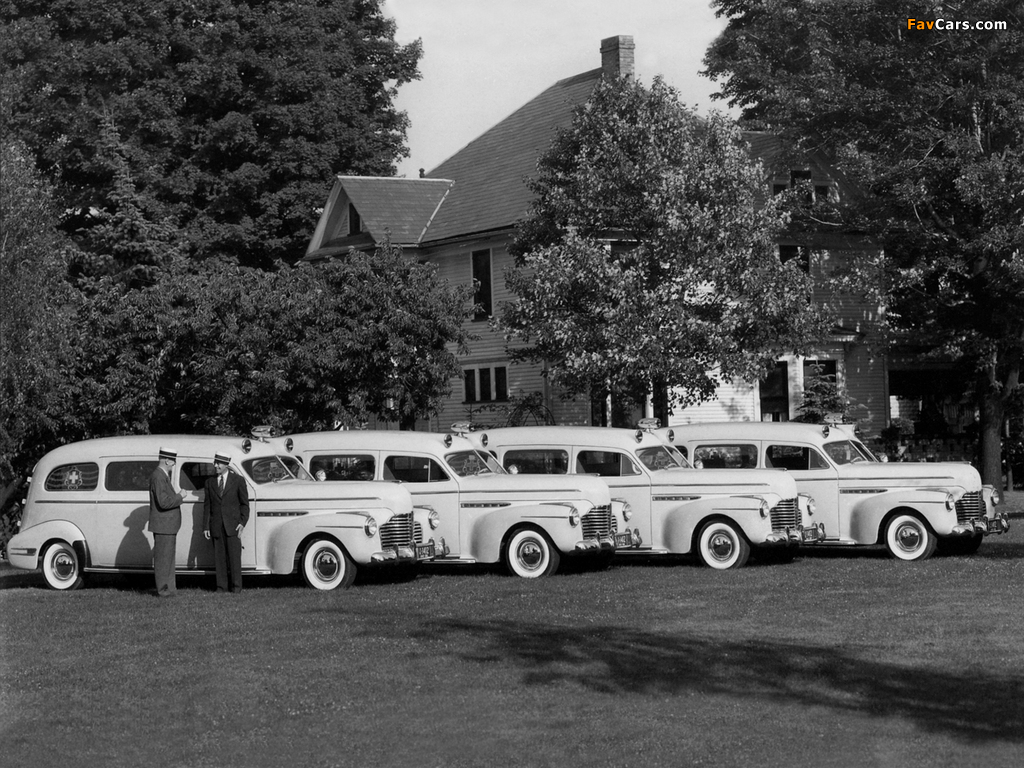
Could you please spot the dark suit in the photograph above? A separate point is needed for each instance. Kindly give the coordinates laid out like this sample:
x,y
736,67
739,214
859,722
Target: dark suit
x,y
223,512
164,522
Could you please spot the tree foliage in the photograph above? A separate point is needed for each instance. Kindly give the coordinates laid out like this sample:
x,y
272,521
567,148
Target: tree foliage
x,y
930,122
36,319
235,114
217,348
648,259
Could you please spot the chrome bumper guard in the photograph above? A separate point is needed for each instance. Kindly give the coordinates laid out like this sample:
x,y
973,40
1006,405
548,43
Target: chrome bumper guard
x,y
788,536
413,553
609,543
996,525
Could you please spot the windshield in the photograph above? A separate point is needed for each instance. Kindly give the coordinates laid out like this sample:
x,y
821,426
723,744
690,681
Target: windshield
x,y
848,452
465,463
266,469
295,467
662,457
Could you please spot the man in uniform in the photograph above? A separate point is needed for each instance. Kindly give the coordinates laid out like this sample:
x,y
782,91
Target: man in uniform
x,y
225,514
164,521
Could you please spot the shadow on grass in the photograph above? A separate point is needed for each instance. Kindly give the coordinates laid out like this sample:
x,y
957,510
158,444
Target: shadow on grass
x,y
971,705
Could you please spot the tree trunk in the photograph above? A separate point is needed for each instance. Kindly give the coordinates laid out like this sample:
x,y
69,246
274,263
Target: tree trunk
x,y
991,407
660,402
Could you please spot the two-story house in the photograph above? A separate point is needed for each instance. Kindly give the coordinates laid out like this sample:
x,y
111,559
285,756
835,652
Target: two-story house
x,y
462,215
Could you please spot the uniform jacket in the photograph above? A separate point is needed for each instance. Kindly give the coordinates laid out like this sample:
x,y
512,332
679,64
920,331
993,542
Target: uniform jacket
x,y
164,504
223,512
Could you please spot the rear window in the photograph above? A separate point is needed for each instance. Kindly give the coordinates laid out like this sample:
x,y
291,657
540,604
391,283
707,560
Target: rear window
x,y
413,469
537,461
130,475
734,456
605,464
74,477
794,457
194,474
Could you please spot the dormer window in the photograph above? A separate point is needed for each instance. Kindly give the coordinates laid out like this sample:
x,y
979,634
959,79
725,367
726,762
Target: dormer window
x,y
355,226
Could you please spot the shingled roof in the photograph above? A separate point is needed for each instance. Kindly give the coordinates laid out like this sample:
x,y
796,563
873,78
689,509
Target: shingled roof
x,y
490,173
404,207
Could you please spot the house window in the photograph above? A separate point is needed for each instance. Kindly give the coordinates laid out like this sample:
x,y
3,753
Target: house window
x,y
482,295
775,394
486,385
798,252
355,226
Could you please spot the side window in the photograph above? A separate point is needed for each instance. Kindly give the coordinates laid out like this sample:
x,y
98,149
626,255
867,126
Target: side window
x,y
344,466
74,477
194,474
128,475
736,456
606,464
794,457
537,461
413,469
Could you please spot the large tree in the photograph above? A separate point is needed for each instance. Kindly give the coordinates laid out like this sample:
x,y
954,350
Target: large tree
x,y
234,114
922,103
219,348
647,265
36,320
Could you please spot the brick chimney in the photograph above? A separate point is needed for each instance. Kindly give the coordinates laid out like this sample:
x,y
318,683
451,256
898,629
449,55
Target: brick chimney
x,y
617,57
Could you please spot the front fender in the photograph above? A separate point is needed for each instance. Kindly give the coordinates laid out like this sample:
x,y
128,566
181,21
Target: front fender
x,y
678,524
869,510
489,529
25,548
286,542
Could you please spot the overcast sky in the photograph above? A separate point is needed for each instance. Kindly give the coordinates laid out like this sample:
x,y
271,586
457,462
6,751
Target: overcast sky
x,y
483,59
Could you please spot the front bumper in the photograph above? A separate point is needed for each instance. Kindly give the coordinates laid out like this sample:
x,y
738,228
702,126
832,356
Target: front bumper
x,y
801,535
412,553
609,543
984,526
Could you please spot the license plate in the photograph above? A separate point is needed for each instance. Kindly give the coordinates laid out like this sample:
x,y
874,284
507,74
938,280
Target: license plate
x,y
623,539
424,551
810,534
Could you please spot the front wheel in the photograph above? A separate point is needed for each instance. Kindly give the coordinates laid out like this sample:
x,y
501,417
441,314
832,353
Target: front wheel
x,y
530,555
908,538
326,566
61,568
721,546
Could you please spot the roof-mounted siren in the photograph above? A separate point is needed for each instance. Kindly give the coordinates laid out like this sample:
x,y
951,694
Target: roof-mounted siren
x,y
646,425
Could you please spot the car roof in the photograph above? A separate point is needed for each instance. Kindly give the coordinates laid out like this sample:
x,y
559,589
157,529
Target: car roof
x,y
376,440
761,430
148,447
567,435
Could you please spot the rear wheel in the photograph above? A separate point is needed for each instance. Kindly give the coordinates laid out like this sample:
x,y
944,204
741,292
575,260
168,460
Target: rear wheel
x,y
61,568
530,555
908,538
326,566
722,546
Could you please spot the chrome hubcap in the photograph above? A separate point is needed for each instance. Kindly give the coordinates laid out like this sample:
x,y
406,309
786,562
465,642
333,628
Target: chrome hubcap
x,y
325,564
908,537
63,566
530,555
721,546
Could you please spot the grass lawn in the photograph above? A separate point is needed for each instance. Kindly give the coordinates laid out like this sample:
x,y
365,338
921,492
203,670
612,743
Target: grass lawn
x,y
838,659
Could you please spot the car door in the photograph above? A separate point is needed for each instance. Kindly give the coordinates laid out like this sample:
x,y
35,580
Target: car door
x,y
431,485
124,515
814,475
625,478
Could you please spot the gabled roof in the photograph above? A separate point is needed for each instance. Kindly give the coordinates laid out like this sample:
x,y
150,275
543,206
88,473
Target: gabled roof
x,y
490,173
403,206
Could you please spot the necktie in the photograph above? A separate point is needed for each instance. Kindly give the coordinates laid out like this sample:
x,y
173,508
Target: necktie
x,y
223,481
